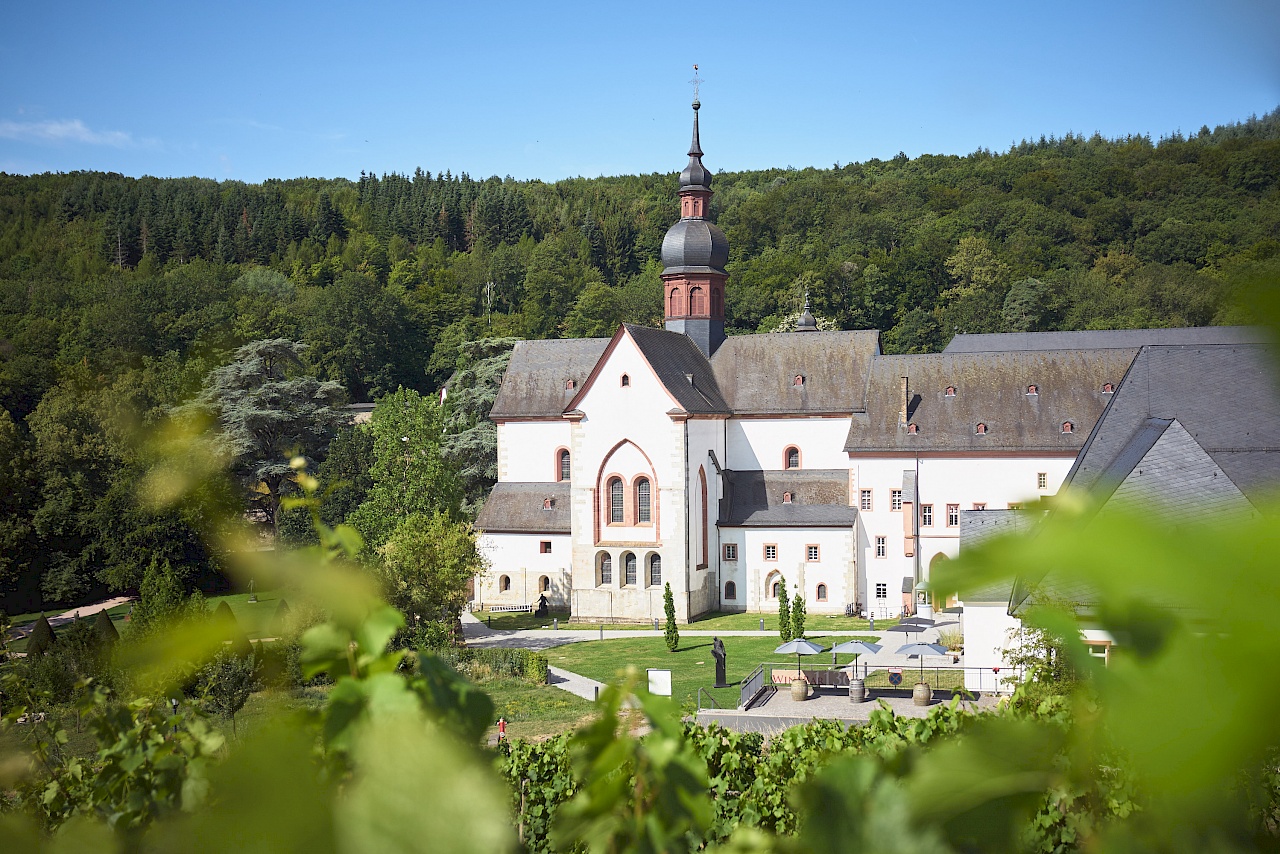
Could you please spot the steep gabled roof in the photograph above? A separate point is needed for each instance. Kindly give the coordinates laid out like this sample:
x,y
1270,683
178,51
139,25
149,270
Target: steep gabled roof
x,y
519,508
978,526
756,373
991,389
681,368
820,498
1105,339
534,384
1224,396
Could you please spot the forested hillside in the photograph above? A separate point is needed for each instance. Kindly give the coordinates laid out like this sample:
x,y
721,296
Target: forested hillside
x,y
118,296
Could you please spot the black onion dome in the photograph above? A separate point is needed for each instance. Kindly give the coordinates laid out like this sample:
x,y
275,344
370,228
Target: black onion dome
x,y
694,246
695,176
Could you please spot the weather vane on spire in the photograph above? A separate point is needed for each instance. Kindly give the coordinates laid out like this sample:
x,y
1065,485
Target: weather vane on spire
x,y
696,81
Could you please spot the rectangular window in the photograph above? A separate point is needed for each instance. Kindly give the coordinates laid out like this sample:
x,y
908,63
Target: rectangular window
x,y
895,499
882,591
545,547
979,505
770,552
811,553
926,515
864,499
880,547
730,551
1042,480
953,515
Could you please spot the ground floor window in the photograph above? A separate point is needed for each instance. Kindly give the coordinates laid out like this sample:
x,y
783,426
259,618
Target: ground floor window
x,y
606,569
882,591
655,570
730,590
881,548
629,562
822,592
544,584
504,584
730,551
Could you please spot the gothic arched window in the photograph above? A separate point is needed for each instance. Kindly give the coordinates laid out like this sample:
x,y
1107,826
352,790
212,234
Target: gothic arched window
x,y
615,501
643,513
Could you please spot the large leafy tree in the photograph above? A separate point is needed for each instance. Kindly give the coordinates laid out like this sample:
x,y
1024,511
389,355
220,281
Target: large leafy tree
x,y
268,412
471,439
426,565
410,474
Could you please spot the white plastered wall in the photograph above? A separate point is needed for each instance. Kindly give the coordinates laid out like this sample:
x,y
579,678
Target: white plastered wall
x,y
527,450
987,627
519,557
754,575
760,443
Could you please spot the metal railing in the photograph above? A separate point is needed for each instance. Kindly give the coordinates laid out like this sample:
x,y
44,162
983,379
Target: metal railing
x,y
710,697
752,687
941,678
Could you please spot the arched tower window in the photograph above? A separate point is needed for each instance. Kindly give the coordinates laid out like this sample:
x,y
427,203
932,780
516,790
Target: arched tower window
x,y
615,501
697,301
643,511
717,303
629,564
655,570
673,303
564,466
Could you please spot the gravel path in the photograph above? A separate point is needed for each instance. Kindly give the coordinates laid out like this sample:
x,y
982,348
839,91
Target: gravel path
x,y
69,616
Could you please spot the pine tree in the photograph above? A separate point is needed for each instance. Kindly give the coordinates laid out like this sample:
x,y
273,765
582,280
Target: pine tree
x,y
672,633
797,615
42,638
280,622
784,611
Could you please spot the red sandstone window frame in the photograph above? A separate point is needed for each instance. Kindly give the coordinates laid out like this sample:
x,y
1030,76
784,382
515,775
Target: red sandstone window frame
x,y
882,547
926,515
812,553
895,499
544,547
821,593
786,458
866,499
770,552
562,453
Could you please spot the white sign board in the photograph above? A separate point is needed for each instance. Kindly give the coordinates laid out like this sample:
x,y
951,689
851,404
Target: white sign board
x,y
660,682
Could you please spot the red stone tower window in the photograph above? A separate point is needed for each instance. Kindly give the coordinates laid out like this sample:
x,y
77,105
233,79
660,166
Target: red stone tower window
x,y
697,302
673,303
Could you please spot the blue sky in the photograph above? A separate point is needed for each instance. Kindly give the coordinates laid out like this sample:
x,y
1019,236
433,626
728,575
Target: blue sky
x,y
550,90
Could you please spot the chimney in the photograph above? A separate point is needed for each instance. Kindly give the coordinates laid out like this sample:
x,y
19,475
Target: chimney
x,y
903,399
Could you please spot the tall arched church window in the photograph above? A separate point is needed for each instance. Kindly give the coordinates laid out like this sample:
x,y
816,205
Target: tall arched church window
x,y
564,466
629,562
615,501
655,570
643,512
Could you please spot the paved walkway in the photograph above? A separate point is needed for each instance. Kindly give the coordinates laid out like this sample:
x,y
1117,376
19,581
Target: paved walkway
x,y
581,686
69,616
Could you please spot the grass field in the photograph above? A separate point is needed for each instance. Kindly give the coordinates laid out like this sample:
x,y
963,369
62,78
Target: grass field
x,y
535,712
721,622
692,666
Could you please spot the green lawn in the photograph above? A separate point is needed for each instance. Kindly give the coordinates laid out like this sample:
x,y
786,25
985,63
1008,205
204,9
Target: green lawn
x,y
691,666
535,711
723,622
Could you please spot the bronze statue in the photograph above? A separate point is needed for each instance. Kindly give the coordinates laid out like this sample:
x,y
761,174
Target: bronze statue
x,y
717,650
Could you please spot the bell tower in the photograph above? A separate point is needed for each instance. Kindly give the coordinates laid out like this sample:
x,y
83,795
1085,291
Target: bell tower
x,y
694,255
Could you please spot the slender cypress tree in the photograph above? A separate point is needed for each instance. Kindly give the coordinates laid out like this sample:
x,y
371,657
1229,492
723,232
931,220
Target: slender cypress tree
x,y
105,630
672,633
784,611
797,615
42,638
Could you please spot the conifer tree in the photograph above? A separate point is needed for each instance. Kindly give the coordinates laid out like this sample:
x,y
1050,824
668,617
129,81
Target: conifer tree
x,y
784,611
42,638
797,615
105,630
672,632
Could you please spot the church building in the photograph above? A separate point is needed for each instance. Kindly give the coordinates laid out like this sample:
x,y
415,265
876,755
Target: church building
x,y
738,469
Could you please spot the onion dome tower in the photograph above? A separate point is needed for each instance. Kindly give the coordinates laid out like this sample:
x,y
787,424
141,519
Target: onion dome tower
x,y
694,254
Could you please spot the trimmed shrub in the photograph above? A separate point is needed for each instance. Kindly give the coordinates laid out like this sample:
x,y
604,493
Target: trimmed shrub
x,y
42,638
105,630
280,622
514,663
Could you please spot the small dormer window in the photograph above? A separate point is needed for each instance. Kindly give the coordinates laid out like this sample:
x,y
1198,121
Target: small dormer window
x,y
569,385
1033,389
626,381
1108,388
548,503
981,429
799,380
1068,427
786,498
951,391
912,429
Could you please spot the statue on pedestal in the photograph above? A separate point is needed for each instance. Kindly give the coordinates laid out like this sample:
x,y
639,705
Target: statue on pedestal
x,y
717,651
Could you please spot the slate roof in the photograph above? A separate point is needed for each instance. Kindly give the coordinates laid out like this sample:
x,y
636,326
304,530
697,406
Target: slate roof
x,y
534,384
756,373
1225,397
820,498
517,508
977,526
675,358
1105,339
991,388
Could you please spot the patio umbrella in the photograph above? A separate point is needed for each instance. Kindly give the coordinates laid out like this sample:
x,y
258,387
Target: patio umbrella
x,y
923,622
908,628
800,647
857,647
922,649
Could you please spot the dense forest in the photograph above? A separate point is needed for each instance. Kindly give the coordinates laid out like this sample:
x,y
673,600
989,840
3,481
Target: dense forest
x,y
121,297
